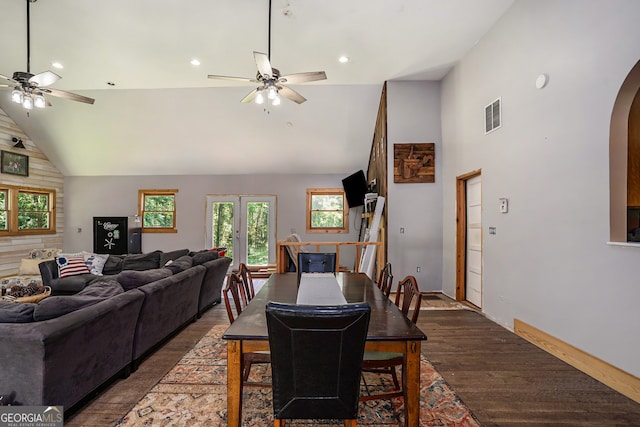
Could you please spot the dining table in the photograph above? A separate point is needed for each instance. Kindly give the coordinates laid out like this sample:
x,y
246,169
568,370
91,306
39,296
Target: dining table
x,y
389,331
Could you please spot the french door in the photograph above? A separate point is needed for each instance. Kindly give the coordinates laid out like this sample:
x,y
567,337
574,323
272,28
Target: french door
x,y
245,225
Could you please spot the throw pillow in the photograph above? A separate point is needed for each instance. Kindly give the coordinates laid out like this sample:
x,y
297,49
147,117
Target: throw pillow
x,y
71,265
42,254
181,264
29,267
165,257
202,257
142,261
131,279
113,265
95,262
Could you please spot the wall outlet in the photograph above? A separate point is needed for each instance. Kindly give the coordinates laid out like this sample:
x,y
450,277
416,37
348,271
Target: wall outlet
x,y
504,205
418,269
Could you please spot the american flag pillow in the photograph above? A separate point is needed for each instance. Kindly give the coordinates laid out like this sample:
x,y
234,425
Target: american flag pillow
x,y
71,265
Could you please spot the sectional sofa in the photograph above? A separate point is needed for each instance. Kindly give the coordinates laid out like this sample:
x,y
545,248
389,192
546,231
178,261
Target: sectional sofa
x,y
60,351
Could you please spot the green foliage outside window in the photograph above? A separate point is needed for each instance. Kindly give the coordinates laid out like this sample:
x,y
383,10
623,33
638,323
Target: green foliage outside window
x,y
3,210
159,211
223,226
327,211
257,233
33,211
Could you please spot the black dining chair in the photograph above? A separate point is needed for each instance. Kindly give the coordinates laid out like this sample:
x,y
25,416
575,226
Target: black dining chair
x,y
316,360
407,296
316,262
234,291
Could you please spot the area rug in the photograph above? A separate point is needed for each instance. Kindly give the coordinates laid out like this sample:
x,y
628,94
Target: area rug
x,y
438,302
193,393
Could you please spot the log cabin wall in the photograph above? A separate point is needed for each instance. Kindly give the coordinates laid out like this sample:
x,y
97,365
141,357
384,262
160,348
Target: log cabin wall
x,y
42,174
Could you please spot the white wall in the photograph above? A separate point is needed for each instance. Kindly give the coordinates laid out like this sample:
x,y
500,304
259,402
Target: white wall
x,y
549,264
414,116
118,196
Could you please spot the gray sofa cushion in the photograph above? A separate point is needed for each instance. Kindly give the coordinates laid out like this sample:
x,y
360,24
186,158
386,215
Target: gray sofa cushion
x,y
13,312
172,256
71,284
180,264
52,307
105,288
204,256
57,306
130,279
141,262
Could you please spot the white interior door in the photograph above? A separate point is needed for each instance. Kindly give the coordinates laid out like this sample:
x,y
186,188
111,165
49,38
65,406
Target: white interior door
x,y
245,225
473,289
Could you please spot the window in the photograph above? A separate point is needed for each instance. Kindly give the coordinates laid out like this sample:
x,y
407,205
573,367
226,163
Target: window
x,y
327,211
25,210
157,208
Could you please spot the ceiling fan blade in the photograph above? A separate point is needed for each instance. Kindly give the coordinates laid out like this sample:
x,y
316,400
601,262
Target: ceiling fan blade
x,y
4,85
250,97
236,79
68,95
45,78
263,64
9,79
311,76
291,94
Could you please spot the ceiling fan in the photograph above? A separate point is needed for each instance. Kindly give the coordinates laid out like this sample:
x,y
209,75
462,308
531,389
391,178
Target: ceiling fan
x,y
29,89
271,81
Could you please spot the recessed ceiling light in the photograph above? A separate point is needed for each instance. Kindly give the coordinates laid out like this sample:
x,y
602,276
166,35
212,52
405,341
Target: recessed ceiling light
x,y
56,64
343,59
195,62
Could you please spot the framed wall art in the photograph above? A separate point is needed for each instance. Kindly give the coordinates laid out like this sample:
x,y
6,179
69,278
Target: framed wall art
x,y
14,163
414,163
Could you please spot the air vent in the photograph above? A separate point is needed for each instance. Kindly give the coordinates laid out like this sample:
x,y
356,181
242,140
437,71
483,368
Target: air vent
x,y
492,116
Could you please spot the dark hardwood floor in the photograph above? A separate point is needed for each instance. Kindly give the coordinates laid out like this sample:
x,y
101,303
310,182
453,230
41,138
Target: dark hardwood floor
x,y
505,380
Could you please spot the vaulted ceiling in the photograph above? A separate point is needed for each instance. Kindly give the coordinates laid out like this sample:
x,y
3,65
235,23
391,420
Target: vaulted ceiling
x,y
163,116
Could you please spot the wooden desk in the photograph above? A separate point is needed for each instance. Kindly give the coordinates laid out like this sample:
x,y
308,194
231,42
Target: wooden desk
x,y
389,330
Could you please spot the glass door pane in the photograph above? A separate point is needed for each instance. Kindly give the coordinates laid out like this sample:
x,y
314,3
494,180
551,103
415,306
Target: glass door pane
x,y
257,233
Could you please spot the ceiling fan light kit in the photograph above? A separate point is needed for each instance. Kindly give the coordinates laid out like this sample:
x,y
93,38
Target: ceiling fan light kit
x,y
28,89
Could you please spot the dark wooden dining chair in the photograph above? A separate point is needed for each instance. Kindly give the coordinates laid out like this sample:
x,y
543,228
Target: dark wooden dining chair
x,y
247,280
234,291
408,294
316,360
381,362
385,279
316,262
